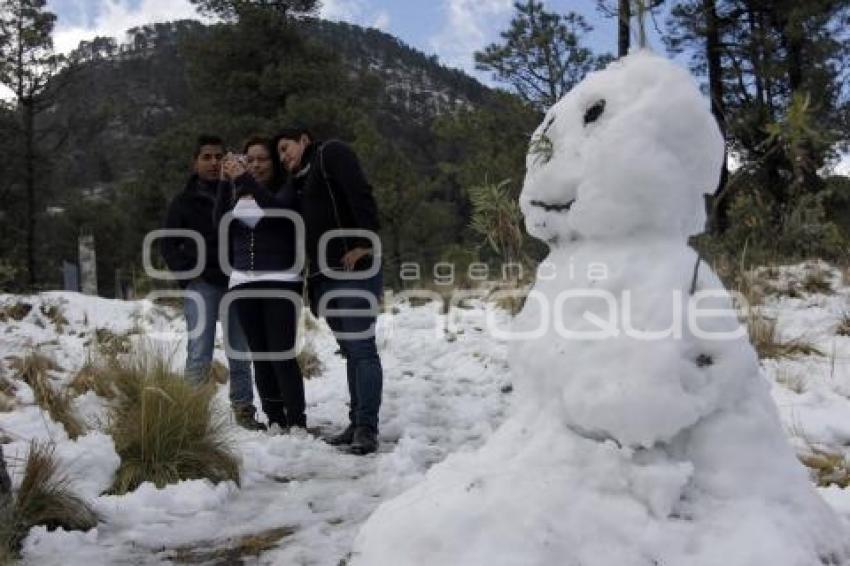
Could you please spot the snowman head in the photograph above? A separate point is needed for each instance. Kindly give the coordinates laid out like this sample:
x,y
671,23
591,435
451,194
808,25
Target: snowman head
x,y
630,151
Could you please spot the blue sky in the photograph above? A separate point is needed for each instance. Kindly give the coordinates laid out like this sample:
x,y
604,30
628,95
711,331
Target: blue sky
x,y
451,29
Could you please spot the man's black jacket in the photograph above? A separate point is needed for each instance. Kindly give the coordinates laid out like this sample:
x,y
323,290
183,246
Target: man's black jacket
x,y
333,193
192,209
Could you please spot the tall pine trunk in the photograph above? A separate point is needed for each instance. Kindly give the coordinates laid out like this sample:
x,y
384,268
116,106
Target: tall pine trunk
x,y
715,87
623,23
29,183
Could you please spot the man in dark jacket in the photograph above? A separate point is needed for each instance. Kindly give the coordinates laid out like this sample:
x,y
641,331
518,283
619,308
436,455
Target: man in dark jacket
x,y
344,269
192,209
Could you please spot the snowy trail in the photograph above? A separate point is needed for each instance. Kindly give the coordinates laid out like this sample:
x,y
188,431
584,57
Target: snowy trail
x,y
440,395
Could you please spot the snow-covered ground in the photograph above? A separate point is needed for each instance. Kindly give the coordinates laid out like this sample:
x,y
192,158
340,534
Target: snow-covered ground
x,y
444,392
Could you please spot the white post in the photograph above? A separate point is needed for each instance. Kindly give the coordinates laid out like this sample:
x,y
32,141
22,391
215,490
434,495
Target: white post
x,y
88,265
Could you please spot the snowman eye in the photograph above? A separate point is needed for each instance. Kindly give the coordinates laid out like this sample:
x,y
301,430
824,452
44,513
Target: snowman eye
x,y
594,112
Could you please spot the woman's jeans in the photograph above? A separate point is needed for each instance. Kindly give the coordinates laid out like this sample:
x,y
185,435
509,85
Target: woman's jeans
x,y
355,333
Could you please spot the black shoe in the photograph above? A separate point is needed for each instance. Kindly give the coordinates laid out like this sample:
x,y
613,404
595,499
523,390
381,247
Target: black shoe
x,y
245,417
365,441
343,438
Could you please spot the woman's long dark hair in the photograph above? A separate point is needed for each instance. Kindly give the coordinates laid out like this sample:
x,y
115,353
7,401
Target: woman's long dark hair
x,y
278,176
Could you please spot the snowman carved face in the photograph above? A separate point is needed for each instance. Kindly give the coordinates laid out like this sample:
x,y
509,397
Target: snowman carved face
x,y
630,151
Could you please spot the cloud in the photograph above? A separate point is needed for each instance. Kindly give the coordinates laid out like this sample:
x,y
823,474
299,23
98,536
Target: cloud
x,y
342,10
469,26
113,19
359,12
382,21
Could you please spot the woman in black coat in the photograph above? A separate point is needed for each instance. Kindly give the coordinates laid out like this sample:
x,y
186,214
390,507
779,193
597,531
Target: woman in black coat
x,y
262,250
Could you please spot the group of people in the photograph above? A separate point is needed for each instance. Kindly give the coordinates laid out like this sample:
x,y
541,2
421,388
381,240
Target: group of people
x,y
299,216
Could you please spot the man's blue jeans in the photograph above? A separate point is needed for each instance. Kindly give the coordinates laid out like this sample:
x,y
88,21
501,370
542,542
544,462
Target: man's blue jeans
x,y
363,366
200,348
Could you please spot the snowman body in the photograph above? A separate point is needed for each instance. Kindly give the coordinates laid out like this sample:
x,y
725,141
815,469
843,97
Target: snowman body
x,y
642,432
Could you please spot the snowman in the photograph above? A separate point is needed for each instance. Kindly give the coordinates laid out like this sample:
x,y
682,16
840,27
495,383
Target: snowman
x,y
642,432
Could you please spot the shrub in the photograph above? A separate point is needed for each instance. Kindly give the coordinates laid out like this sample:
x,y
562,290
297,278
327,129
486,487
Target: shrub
x,y
164,429
58,403
44,498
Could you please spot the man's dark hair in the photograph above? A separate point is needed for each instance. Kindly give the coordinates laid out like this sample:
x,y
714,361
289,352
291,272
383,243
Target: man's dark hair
x,y
206,139
293,132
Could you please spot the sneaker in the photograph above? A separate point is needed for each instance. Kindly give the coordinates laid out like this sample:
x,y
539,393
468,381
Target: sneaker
x,y
343,438
245,416
365,441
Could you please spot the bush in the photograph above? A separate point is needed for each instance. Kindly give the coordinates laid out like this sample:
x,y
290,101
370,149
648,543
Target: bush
x,y
771,232
165,430
44,498
58,403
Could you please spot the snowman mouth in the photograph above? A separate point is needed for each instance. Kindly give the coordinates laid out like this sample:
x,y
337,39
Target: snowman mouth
x,y
552,207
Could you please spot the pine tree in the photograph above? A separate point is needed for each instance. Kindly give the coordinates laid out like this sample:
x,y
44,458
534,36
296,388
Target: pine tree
x,y
625,11
541,55
761,56
236,9
27,64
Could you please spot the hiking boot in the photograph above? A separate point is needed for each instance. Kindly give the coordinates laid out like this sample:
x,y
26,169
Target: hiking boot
x,y
245,416
343,438
365,441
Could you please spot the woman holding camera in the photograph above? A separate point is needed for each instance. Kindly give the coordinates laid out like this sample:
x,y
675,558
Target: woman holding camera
x,y
262,249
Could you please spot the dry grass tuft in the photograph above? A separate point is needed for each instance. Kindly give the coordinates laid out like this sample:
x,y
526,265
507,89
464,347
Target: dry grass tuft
x,y
56,315
817,281
234,551
765,339
510,299
34,370
164,429
94,376
110,344
828,468
309,362
310,322
16,311
31,364
7,392
44,498
218,373
843,327
792,381
750,286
